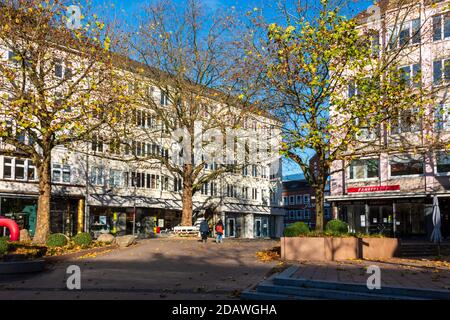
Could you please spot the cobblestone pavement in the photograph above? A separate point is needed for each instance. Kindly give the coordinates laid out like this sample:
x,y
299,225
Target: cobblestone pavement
x,y
412,273
153,269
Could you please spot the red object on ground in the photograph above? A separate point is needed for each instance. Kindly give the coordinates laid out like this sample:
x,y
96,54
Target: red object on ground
x,y
14,231
158,230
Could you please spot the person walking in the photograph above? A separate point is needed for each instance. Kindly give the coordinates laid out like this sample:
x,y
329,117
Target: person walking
x,y
204,230
219,231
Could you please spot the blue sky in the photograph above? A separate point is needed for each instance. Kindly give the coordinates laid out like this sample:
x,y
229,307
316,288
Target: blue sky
x,y
126,10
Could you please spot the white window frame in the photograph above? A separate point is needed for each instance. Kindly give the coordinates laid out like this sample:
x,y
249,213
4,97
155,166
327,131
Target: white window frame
x,y
11,166
440,174
116,178
442,22
291,200
307,214
365,172
443,117
301,214
405,176
307,199
98,175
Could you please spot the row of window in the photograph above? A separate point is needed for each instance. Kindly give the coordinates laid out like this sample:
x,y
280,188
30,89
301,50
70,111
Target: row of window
x,y
399,165
409,32
136,148
244,192
299,214
209,189
408,121
297,199
121,179
411,75
305,214
19,169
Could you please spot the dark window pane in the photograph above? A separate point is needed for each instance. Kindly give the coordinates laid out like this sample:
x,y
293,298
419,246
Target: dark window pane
x,y
443,162
437,28
20,169
372,168
447,25
406,167
351,90
417,74
404,36
58,70
415,32
7,168
447,70
405,74
437,71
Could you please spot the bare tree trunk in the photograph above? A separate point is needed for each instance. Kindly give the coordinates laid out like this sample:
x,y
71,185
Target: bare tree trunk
x,y
45,190
188,192
320,199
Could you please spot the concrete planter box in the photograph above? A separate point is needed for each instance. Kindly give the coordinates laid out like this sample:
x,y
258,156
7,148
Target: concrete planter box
x,y
22,266
331,249
379,248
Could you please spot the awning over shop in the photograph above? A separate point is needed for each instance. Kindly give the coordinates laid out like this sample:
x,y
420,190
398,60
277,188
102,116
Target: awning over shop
x,y
374,196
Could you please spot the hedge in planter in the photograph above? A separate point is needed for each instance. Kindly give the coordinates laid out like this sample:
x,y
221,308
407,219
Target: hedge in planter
x,y
56,240
337,227
296,229
4,246
82,239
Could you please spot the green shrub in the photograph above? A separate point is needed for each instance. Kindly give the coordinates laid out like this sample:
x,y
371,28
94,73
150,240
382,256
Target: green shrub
x,y
296,229
56,240
336,227
4,246
82,239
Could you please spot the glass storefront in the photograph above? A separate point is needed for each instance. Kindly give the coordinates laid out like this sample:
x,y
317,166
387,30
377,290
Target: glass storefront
x,y
411,216
378,217
121,221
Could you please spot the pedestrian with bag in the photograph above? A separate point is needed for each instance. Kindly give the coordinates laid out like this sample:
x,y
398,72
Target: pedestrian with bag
x,y
219,231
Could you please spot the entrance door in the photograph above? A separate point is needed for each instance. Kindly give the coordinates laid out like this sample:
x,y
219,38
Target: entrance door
x,y
258,227
412,219
265,227
231,228
444,205
381,220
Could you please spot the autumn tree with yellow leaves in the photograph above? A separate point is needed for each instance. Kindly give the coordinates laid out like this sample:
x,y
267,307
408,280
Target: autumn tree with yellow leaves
x,y
57,86
336,85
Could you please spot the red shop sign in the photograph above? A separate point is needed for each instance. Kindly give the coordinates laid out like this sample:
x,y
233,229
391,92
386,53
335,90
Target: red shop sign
x,y
374,189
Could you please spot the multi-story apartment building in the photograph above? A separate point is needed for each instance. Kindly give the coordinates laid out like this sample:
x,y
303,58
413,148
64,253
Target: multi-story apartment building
x,y
94,187
389,189
299,203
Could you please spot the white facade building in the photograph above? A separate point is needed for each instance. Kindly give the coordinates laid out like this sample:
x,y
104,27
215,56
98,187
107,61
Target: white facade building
x,y
389,189
93,188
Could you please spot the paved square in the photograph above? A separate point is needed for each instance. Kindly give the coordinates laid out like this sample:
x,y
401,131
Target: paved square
x,y
153,269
